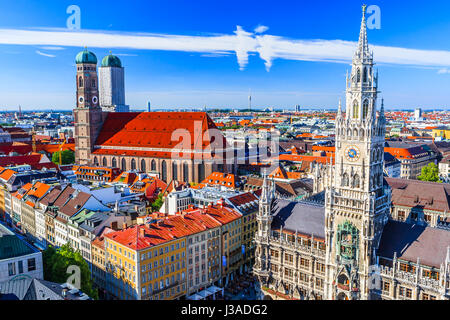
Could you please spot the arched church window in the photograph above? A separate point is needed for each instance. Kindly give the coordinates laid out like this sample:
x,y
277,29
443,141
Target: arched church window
x,y
95,161
201,171
105,162
174,171
114,163
356,182
124,164
345,180
80,82
365,108
185,172
143,169
355,110
133,164
153,166
358,76
93,83
365,74
164,171
355,133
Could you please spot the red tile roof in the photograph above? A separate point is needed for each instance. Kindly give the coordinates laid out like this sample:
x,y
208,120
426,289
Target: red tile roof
x,y
191,221
155,129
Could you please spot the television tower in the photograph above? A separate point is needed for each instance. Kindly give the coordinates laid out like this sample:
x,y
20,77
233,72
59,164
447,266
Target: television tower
x,y
249,100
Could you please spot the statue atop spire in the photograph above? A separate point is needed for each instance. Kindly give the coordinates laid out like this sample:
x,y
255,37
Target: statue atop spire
x,y
363,44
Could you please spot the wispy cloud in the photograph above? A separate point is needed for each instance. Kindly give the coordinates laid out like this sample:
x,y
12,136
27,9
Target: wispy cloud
x,y
125,54
261,29
45,54
52,48
443,71
241,43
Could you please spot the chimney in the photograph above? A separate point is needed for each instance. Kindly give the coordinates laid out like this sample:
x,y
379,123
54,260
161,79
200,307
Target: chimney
x,y
141,232
124,225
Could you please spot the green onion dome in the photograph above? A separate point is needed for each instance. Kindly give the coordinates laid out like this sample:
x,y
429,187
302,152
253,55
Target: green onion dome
x,y
86,56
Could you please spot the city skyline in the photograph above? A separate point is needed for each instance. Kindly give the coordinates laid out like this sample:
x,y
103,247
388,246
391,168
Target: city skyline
x,y
189,64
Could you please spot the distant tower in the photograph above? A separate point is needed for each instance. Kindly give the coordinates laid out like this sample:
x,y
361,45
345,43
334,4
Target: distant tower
x,y
149,108
297,108
249,101
112,85
418,114
87,114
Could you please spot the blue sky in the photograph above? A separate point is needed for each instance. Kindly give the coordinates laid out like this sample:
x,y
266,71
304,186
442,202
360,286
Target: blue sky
x,y
38,71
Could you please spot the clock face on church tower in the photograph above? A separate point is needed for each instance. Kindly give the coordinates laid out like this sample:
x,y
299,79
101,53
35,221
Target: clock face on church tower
x,y
352,153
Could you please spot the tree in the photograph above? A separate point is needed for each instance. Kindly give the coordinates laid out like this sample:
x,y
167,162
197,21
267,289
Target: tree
x,y
67,157
430,173
56,262
157,204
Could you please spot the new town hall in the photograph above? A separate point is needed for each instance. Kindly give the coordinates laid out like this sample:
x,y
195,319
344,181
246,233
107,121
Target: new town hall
x,y
347,246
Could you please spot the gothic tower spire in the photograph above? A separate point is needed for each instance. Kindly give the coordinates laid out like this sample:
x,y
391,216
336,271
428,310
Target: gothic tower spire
x,y
363,44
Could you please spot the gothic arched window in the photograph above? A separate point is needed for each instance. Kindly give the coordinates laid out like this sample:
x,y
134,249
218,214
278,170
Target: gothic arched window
x,y
80,82
143,169
95,161
164,171
185,172
174,171
93,83
124,164
355,109
133,164
358,75
114,162
365,108
345,180
201,172
365,74
153,166
105,162
356,181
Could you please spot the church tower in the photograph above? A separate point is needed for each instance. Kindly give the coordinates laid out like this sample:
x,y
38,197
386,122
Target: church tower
x,y
356,202
87,114
262,237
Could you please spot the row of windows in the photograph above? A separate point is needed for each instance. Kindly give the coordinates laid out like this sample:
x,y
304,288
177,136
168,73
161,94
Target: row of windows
x,y
162,250
163,171
13,270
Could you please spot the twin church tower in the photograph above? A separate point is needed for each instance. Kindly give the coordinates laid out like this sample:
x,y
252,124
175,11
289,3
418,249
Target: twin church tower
x,y
96,95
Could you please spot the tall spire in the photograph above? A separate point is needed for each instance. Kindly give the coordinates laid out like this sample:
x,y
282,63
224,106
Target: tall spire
x,y
363,44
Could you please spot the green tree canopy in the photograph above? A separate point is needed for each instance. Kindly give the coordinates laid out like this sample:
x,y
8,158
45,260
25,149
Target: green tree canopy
x,y
56,262
430,173
67,157
157,204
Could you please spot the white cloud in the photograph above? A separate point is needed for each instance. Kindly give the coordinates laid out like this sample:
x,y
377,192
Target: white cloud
x,y
443,71
45,54
52,48
241,43
261,29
